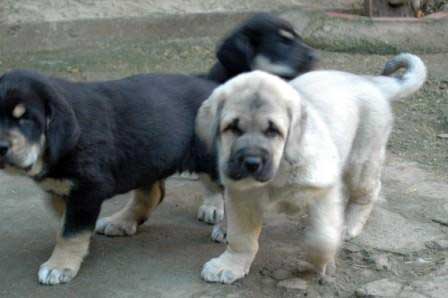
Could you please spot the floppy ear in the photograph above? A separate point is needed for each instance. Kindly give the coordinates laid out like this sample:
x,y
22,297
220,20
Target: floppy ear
x,y
236,53
207,120
298,120
62,132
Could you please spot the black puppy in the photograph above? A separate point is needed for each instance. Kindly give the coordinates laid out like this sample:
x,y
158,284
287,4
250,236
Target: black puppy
x,y
264,42
86,142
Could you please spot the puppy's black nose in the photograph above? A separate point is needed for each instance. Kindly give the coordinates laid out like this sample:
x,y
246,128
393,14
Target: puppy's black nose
x,y
252,163
4,147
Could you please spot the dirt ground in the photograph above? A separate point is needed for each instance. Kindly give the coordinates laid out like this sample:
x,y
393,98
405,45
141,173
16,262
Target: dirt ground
x,y
403,250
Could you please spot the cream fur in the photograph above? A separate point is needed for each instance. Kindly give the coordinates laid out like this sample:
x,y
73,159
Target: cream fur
x,y
336,138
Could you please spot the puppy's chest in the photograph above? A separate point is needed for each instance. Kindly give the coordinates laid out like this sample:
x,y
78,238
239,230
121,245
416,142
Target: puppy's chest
x,y
291,194
60,187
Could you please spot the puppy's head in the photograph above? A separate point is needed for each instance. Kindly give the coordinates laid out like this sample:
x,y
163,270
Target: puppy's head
x,y
250,120
36,124
266,42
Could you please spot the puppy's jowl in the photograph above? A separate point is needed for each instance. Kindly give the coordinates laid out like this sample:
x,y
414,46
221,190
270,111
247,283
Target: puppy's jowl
x,y
300,143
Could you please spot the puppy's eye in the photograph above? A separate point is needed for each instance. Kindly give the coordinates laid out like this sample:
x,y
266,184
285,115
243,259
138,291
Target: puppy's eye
x,y
234,128
272,131
25,121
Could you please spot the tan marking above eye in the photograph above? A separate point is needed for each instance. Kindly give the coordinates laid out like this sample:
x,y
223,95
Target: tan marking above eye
x,y
286,34
18,111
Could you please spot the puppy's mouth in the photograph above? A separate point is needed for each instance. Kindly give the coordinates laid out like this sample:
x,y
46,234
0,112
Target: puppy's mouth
x,y
10,163
238,173
241,176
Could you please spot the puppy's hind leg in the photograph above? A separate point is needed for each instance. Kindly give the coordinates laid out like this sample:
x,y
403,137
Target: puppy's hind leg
x,y
364,186
363,170
136,212
212,209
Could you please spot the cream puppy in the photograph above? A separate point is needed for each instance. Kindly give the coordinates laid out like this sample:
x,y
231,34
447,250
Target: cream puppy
x,y
301,143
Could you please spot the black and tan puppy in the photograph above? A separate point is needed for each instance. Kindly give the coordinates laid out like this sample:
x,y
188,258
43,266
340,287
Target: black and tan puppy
x,y
86,142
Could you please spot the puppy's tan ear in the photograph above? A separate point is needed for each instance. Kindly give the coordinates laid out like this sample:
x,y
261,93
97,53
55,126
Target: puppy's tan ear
x,y
298,116
207,120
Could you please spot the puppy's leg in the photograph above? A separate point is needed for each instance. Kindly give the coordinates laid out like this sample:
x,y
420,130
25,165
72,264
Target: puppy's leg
x,y
57,204
323,236
72,243
364,186
135,213
212,209
244,221
66,259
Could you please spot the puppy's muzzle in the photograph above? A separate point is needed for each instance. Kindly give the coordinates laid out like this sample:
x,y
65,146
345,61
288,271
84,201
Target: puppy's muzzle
x,y
249,162
310,60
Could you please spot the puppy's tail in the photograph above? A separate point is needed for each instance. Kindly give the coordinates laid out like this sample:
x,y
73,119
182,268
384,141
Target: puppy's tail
x,y
396,87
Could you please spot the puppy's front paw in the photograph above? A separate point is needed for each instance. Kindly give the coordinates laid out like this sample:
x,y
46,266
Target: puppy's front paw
x,y
219,233
217,270
53,275
116,226
210,214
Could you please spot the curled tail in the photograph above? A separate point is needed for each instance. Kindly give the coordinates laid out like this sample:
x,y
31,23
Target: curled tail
x,y
407,83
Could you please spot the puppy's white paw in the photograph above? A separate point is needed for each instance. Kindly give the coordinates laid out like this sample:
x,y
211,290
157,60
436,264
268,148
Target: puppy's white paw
x,y
217,270
219,234
113,227
210,214
49,275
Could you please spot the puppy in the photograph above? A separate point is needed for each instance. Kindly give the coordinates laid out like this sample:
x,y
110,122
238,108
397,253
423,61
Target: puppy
x,y
263,42
299,145
86,142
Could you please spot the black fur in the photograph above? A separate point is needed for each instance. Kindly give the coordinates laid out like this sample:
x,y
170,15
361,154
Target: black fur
x,y
260,36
